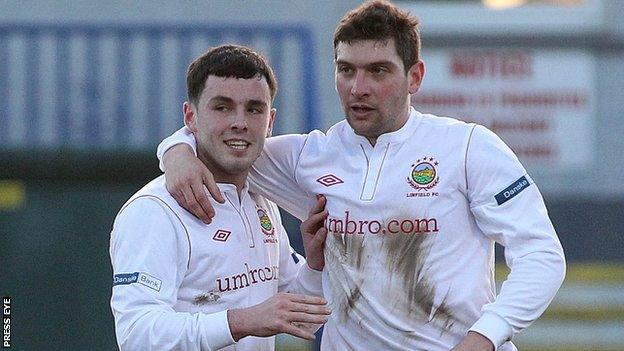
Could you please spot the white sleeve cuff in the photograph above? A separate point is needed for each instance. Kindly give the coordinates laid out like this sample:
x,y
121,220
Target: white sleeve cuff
x,y
181,136
493,327
311,280
215,329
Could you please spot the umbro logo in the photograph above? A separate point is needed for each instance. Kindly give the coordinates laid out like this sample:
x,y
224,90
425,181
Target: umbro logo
x,y
329,180
221,235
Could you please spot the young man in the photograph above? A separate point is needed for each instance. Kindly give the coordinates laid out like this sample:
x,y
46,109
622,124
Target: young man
x,y
184,285
416,203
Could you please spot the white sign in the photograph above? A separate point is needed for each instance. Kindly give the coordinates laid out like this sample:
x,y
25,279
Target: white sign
x,y
540,102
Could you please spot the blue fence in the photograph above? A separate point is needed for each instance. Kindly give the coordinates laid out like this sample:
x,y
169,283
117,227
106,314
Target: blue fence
x,y
122,86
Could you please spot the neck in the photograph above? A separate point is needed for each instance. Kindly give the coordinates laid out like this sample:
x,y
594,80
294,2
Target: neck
x,y
220,176
238,181
401,120
372,140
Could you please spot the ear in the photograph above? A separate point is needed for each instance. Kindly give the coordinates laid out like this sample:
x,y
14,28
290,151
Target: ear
x,y
415,75
271,120
190,117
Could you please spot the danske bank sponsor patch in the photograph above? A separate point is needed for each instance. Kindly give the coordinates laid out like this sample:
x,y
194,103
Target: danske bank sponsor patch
x,y
137,277
512,190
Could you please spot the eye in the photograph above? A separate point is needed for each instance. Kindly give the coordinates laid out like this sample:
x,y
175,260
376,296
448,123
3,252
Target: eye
x,y
255,110
379,70
221,108
345,69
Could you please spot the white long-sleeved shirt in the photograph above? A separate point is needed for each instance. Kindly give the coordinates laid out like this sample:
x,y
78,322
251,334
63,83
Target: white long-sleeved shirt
x,y
175,277
414,219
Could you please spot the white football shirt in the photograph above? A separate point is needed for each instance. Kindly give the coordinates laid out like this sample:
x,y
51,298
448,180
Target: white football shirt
x,y
413,222
175,277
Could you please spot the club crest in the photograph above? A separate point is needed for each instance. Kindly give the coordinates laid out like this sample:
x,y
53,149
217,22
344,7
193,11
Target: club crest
x,y
424,174
265,222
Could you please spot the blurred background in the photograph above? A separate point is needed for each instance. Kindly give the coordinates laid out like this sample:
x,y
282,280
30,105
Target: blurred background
x,y
89,88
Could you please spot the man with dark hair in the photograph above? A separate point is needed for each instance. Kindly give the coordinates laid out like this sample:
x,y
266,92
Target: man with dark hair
x,y
182,284
381,21
415,201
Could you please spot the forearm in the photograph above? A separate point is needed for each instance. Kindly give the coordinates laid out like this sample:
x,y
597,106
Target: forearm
x,y
168,330
182,136
526,293
535,257
528,290
308,282
301,279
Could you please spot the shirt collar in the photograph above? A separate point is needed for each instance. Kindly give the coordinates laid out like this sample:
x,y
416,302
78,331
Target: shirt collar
x,y
229,190
399,136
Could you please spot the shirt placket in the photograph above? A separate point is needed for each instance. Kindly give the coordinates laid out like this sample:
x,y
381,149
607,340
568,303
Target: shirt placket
x,y
244,218
375,158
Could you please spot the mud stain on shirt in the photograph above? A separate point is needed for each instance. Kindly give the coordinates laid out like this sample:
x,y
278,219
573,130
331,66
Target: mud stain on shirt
x,y
343,257
406,255
353,297
410,286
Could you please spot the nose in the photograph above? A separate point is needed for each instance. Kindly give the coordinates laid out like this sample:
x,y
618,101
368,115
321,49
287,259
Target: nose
x,y
360,87
239,121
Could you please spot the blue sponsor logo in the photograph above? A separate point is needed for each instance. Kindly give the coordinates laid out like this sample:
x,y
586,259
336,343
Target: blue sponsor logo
x,y
137,277
125,278
295,258
512,190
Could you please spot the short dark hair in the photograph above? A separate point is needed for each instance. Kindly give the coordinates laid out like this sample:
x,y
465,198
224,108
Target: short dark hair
x,y
381,20
229,61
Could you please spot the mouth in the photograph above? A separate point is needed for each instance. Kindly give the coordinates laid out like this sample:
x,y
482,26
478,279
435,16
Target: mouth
x,y
237,144
361,109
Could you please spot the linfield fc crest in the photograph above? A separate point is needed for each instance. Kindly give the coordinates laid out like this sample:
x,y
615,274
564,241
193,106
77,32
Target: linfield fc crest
x,y
424,174
265,222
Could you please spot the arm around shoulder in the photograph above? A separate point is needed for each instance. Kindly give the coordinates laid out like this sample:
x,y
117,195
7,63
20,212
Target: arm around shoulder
x,y
181,136
274,174
187,178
